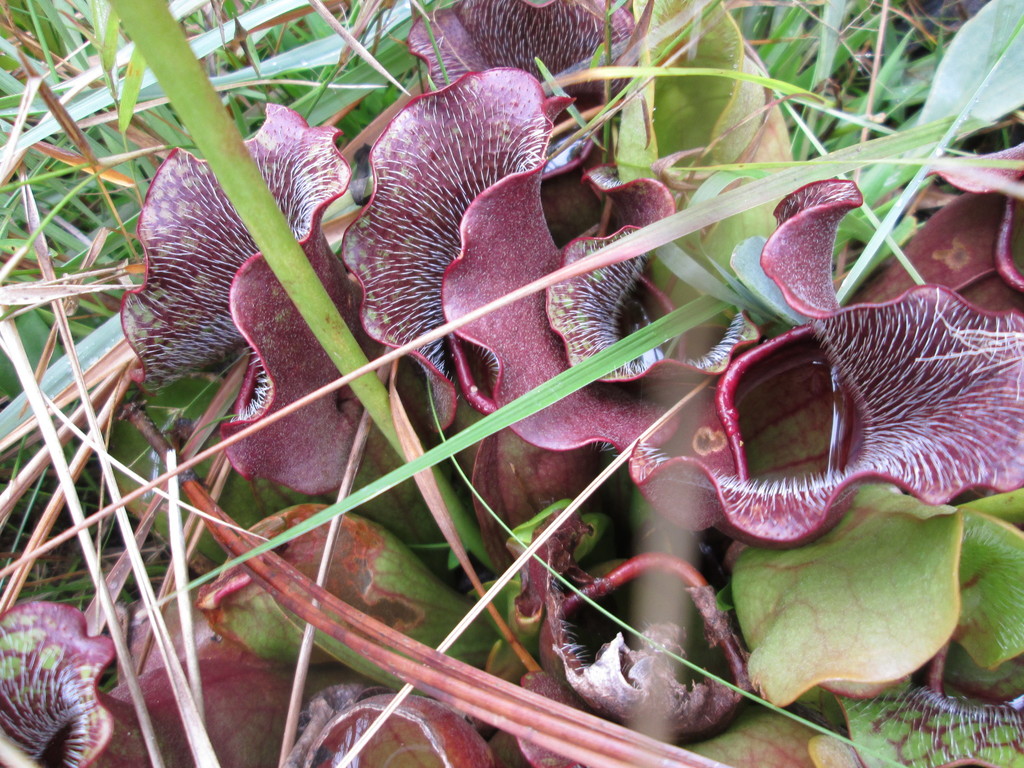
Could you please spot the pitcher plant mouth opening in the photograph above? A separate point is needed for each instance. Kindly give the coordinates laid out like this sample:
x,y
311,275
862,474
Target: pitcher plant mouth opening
x,y
921,392
429,166
800,372
256,392
599,308
49,702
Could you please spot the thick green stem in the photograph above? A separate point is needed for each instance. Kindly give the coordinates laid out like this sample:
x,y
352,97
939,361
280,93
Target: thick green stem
x,y
158,35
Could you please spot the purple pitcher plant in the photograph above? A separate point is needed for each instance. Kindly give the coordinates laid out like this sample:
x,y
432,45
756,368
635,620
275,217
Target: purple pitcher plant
x,y
208,294
51,706
457,220
922,392
421,263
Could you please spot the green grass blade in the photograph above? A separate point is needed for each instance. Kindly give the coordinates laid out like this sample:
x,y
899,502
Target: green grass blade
x,y
669,327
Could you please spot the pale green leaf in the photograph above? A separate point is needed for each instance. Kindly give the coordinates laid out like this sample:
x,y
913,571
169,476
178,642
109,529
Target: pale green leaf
x,y
991,624
868,603
130,90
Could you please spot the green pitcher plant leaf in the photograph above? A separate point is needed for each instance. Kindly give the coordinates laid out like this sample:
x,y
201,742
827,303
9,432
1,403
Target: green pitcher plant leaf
x,y
964,677
761,739
991,624
919,728
371,569
868,603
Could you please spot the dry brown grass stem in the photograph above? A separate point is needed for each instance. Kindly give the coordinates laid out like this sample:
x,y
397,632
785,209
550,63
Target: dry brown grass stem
x,y
11,158
309,631
74,132
530,552
12,756
40,461
350,40
190,710
427,484
179,570
108,369
48,519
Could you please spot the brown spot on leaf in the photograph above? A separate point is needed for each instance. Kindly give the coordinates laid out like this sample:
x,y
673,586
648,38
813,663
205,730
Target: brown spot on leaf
x,y
708,440
956,257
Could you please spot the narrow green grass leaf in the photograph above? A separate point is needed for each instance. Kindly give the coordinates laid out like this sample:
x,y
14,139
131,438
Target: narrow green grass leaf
x,y
672,325
105,27
201,110
95,100
828,38
768,189
130,90
872,254
613,73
